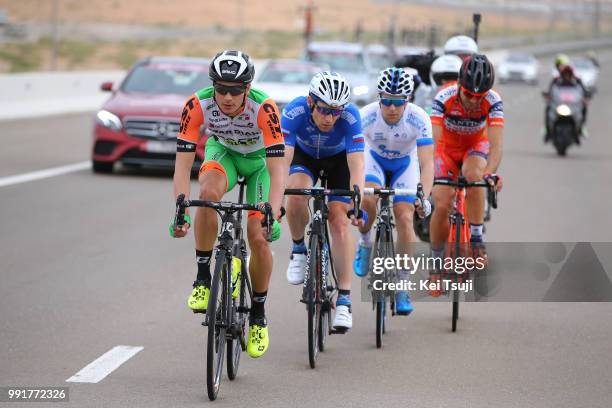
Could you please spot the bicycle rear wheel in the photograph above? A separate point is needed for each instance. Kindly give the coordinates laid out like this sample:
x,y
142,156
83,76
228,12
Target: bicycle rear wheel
x,y
217,318
313,297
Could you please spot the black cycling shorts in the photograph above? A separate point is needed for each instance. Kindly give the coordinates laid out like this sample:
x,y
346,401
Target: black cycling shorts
x,y
335,167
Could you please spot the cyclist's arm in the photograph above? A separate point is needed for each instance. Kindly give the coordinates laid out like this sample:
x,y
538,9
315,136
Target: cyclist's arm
x,y
356,165
496,136
268,121
354,146
436,131
426,161
186,141
495,122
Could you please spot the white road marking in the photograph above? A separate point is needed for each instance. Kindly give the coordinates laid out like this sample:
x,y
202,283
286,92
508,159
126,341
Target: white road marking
x,y
41,174
108,362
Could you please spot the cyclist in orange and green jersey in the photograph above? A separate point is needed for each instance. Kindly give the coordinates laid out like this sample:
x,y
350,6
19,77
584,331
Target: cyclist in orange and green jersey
x,y
245,139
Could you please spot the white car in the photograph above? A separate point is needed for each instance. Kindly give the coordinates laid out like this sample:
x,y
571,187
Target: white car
x,y
285,80
519,67
587,72
352,61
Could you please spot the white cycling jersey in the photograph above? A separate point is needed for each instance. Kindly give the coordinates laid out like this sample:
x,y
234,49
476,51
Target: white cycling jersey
x,y
399,140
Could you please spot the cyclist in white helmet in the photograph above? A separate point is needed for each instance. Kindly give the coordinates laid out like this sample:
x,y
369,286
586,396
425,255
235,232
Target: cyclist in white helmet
x,y
461,46
444,71
323,132
399,144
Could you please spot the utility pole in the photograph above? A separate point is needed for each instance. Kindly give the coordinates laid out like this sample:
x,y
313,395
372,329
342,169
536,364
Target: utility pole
x,y
308,26
54,34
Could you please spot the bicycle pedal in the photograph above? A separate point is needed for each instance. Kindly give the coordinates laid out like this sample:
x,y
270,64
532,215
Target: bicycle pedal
x,y
339,330
199,311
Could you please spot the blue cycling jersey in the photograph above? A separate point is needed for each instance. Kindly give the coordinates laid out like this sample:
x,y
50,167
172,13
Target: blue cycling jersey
x,y
299,129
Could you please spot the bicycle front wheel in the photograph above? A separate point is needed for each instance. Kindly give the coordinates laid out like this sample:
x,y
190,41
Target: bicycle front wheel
x,y
313,300
236,343
217,318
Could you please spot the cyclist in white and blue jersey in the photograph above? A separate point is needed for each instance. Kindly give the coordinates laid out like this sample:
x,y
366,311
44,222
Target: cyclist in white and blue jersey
x,y
323,132
399,143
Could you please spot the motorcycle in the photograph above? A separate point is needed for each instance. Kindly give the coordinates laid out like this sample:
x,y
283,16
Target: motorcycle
x,y
565,116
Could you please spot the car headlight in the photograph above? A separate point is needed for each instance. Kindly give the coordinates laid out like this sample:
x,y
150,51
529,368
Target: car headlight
x,y
564,110
109,120
360,90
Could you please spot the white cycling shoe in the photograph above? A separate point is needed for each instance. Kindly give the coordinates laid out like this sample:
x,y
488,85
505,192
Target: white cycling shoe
x,y
343,318
296,269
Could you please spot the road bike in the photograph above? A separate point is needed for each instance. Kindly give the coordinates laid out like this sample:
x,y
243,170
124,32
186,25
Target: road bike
x,y
229,302
459,237
319,291
384,248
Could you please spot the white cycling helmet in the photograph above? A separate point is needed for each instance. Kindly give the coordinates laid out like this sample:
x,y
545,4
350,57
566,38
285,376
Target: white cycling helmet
x,y
331,88
443,68
395,81
460,45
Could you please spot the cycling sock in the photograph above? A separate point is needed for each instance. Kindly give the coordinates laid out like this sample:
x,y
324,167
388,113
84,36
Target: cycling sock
x,y
299,247
257,308
475,232
365,239
344,297
203,259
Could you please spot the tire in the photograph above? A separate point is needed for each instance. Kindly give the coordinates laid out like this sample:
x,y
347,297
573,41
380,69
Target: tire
x,y
237,344
216,316
312,296
563,136
102,167
380,298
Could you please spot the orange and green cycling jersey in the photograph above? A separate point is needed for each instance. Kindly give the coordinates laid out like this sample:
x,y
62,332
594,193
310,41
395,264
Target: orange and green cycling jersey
x,y
255,130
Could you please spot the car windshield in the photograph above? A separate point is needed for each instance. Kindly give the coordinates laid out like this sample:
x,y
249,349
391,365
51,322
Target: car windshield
x,y
288,74
380,62
167,79
339,61
520,59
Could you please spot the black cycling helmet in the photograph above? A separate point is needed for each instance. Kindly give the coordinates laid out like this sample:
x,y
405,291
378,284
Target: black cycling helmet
x,y
477,74
232,66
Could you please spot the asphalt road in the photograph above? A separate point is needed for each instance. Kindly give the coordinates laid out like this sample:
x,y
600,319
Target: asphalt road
x,y
86,265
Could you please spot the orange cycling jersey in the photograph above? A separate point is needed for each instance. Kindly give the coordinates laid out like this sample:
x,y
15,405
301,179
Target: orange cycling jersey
x,y
462,129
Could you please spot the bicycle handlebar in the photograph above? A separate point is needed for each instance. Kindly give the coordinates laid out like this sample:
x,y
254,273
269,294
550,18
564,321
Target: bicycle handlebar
x,y
264,208
463,183
322,192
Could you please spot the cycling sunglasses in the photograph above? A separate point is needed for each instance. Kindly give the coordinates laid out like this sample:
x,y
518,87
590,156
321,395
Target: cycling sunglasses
x,y
329,111
397,102
472,94
233,90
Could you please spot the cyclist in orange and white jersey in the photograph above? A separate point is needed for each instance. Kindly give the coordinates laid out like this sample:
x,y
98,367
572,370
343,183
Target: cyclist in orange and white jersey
x,y
467,124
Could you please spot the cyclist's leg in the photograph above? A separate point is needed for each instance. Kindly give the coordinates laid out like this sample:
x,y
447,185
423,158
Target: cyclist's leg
x,y
301,175
375,177
473,168
217,174
406,174
445,167
254,169
343,247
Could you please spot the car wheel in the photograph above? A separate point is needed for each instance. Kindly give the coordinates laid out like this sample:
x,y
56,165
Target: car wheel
x,y
102,167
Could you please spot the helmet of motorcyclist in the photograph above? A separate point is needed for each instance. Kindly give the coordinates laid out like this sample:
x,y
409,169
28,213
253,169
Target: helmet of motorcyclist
x,y
331,88
445,68
477,74
461,45
232,66
561,59
396,81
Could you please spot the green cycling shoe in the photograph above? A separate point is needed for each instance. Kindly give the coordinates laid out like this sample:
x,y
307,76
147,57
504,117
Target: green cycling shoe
x,y
198,301
258,338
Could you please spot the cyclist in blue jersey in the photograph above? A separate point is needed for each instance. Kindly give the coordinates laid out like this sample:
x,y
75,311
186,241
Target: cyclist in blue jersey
x,y
323,132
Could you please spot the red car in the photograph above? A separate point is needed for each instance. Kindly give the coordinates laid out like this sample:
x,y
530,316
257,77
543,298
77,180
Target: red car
x,y
138,125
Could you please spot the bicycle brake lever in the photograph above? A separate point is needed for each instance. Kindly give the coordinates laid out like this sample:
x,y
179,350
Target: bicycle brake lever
x,y
179,218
